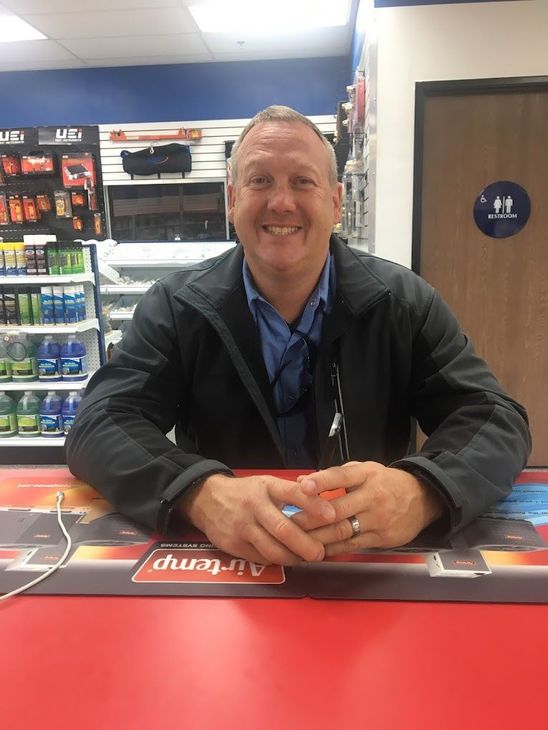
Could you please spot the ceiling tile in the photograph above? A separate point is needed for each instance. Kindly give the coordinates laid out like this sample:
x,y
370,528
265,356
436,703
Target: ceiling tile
x,y
333,41
23,7
148,61
21,51
273,55
40,65
113,23
184,44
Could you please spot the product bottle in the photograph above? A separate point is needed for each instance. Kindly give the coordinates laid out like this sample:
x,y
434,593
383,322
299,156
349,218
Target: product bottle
x,y
80,298
71,311
22,354
46,305
5,363
73,359
58,305
51,419
52,256
70,406
8,418
28,415
20,259
30,259
49,365
10,261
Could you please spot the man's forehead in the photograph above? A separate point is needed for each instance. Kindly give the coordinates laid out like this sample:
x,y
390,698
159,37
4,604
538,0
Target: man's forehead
x,y
294,140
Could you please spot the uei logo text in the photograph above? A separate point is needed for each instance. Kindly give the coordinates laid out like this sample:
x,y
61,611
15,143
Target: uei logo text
x,y
12,136
204,566
68,134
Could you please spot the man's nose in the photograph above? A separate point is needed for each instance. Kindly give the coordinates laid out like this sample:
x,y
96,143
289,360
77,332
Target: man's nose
x,y
281,199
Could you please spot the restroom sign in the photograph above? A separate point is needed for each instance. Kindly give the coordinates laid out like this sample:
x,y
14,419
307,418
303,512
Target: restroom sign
x,y
502,209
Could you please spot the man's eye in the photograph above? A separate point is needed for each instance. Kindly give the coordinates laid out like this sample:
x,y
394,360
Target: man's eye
x,y
258,180
304,182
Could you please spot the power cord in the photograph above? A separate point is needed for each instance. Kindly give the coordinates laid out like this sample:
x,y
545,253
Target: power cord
x,y
60,496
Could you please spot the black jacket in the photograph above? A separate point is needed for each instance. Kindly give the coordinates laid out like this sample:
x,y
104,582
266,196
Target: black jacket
x,y
192,358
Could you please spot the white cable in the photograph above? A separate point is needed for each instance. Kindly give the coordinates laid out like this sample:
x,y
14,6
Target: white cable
x,y
60,497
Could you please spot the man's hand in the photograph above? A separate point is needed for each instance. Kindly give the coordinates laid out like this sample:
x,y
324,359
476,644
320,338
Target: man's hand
x,y
391,505
243,517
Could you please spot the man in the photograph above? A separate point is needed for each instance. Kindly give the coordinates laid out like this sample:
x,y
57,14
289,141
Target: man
x,y
256,354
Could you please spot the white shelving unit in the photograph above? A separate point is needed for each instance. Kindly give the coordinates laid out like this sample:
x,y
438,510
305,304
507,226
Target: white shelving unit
x,y
63,385
90,332
50,329
131,268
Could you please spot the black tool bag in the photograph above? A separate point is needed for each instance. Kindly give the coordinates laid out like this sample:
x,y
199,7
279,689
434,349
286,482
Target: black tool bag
x,y
157,160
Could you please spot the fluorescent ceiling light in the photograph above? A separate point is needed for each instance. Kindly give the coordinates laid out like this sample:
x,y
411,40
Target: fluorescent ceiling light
x,y
267,17
13,28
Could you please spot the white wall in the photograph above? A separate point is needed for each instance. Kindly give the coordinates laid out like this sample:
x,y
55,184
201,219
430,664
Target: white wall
x,y
428,43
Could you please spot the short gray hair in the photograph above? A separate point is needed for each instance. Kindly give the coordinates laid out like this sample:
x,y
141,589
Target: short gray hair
x,y
277,113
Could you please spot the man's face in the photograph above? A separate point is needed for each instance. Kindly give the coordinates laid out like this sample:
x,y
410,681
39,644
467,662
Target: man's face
x,y
283,206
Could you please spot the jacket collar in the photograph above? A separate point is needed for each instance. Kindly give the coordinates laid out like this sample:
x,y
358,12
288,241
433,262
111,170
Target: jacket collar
x,y
357,285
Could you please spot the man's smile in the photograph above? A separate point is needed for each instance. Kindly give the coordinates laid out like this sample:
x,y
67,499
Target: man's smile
x,y
281,230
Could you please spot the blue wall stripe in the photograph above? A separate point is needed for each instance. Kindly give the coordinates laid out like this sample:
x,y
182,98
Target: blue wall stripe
x,y
171,92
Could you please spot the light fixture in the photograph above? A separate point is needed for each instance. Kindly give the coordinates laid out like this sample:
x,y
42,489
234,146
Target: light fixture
x,y
14,29
267,17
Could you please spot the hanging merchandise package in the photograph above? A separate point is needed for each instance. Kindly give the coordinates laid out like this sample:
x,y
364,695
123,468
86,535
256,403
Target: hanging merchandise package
x,y
78,170
63,208
157,160
43,202
16,208
10,164
38,163
4,215
30,209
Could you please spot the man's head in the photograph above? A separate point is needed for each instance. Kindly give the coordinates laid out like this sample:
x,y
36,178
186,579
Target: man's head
x,y
284,198
277,113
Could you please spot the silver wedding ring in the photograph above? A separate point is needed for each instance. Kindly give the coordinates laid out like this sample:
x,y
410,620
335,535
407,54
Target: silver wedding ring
x,y
355,524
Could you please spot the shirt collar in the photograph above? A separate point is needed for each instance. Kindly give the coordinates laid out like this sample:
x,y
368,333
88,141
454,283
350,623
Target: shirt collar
x,y
322,293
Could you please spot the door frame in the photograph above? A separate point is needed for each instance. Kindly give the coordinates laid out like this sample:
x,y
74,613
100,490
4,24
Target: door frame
x,y
426,89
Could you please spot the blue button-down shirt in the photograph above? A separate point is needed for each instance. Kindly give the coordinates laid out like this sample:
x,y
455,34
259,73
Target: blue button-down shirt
x,y
288,354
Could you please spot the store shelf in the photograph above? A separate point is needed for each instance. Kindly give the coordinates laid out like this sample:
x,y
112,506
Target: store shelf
x,y
111,338
125,288
172,263
42,385
107,272
32,441
118,315
48,279
52,329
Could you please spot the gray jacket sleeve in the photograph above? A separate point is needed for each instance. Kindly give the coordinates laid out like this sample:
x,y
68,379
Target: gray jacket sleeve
x,y
117,443
478,437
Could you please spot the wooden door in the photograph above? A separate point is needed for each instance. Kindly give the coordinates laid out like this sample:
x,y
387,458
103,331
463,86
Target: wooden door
x,y
498,288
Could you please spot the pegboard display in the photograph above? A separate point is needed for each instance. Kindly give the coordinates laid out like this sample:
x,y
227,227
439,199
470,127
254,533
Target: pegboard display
x,y
51,183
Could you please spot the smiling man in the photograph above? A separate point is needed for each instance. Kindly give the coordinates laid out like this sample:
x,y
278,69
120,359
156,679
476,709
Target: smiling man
x,y
272,354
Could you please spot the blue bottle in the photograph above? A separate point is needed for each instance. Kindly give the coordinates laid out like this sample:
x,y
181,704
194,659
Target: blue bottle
x,y
51,419
49,365
73,359
68,411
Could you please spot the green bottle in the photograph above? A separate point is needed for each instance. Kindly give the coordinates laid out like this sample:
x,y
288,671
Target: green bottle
x,y
5,362
28,415
22,354
8,418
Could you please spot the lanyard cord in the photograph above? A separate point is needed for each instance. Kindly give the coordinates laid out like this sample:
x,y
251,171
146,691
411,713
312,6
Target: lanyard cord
x,y
339,408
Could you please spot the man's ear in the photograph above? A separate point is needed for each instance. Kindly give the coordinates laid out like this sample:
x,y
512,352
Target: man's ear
x,y
231,195
337,202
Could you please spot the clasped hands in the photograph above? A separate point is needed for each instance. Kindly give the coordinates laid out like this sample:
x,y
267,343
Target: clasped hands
x,y
243,515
